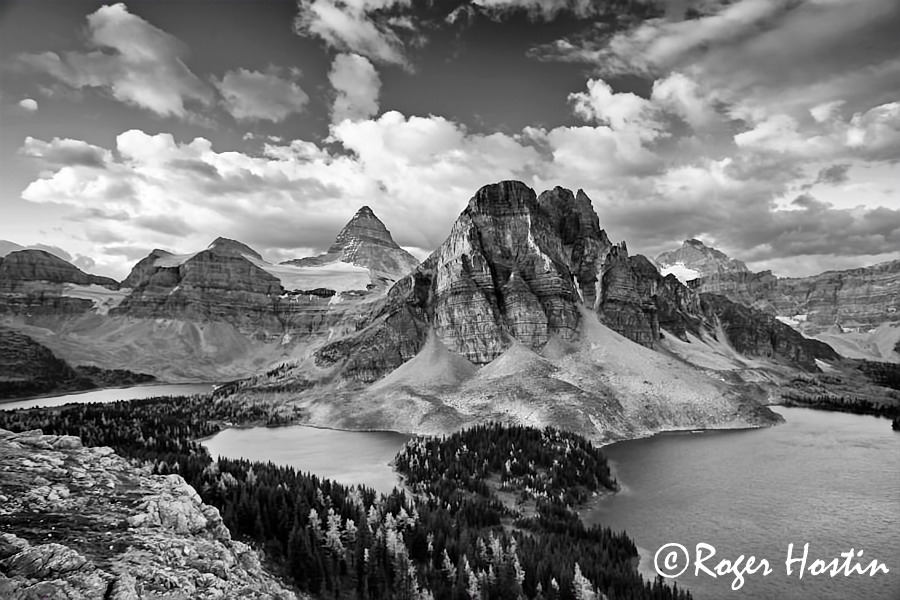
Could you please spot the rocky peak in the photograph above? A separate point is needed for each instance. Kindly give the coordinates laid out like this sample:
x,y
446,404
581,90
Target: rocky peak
x,y
232,247
364,227
695,259
365,242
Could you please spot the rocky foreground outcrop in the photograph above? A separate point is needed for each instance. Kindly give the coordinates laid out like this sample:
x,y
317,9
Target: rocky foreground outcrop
x,y
83,523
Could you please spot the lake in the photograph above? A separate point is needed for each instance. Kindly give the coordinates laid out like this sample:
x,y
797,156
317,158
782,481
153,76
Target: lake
x,y
348,457
112,394
828,479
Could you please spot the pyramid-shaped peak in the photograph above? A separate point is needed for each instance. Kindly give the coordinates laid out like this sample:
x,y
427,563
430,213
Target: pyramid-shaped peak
x,y
363,227
694,242
227,246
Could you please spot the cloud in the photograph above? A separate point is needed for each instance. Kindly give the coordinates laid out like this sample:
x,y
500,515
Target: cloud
x,y
796,54
356,85
833,175
253,96
66,152
28,105
681,95
130,59
660,169
622,111
547,9
357,26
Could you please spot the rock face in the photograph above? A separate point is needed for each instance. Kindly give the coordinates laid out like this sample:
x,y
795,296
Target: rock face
x,y
855,299
365,242
694,259
83,523
217,284
516,268
20,269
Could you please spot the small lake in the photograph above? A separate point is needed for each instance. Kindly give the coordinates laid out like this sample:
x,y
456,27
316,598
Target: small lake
x,y
348,457
112,394
828,479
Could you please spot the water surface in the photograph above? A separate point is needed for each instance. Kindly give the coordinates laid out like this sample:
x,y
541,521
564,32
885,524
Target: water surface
x,y
828,479
112,394
348,457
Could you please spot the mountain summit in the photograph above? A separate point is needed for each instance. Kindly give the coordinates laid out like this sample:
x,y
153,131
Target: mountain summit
x,y
695,259
365,242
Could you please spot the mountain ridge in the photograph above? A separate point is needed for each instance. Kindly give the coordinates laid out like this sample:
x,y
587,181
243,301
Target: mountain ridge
x,y
857,310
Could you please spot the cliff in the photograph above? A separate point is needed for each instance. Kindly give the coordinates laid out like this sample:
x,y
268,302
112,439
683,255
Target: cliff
x,y
83,523
517,267
854,299
21,268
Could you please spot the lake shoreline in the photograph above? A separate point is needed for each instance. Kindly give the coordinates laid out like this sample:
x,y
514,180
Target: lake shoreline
x,y
101,389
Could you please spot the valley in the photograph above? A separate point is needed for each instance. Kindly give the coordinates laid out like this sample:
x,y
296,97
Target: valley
x,y
526,331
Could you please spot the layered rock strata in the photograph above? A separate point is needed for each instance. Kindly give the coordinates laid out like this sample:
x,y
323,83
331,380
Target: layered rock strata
x,y
855,299
20,269
516,268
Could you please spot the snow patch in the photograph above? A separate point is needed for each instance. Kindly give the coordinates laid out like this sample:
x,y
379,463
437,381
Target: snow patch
x,y
682,272
338,276
103,298
174,260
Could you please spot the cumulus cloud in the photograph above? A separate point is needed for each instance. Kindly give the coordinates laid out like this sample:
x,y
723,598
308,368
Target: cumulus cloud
x,y
741,190
621,111
66,152
357,26
356,85
28,105
130,59
252,95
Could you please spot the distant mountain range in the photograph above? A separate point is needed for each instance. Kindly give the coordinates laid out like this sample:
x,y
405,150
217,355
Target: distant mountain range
x,y
855,310
527,313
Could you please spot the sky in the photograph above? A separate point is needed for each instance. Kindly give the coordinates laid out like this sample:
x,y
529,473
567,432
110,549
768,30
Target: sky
x,y
769,129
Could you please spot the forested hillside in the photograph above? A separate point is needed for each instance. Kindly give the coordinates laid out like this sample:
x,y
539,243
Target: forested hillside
x,y
452,534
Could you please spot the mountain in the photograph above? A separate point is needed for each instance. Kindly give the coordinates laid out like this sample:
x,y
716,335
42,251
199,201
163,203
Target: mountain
x,y
857,311
28,369
84,523
365,242
527,312
218,313
514,313
6,247
21,268
694,259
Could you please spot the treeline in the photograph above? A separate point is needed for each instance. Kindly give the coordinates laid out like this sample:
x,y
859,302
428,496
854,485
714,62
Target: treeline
x,y
449,538
859,406
882,373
